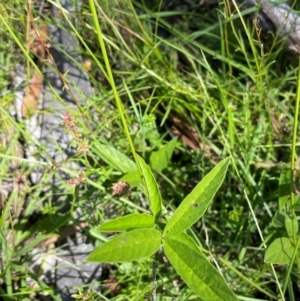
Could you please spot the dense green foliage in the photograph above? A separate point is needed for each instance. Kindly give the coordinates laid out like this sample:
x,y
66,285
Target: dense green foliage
x,y
200,72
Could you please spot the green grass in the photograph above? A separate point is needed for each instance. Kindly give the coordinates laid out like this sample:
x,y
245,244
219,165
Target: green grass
x,y
213,72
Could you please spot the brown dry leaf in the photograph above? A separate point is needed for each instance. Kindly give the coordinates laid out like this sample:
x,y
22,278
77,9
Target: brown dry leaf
x,y
34,89
32,94
187,134
39,40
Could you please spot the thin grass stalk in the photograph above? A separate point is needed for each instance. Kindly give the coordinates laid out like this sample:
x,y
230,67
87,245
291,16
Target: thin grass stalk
x,y
111,80
295,256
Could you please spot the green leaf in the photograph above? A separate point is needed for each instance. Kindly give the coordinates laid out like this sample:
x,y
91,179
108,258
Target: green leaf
x,y
152,189
284,189
114,158
278,220
291,226
187,240
280,251
197,272
133,178
131,221
196,203
297,203
128,246
161,158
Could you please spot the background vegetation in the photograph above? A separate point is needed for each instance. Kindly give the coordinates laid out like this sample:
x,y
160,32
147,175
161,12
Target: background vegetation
x,y
192,69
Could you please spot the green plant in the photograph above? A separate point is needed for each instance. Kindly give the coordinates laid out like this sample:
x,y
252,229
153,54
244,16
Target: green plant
x,y
87,295
215,76
141,240
285,241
